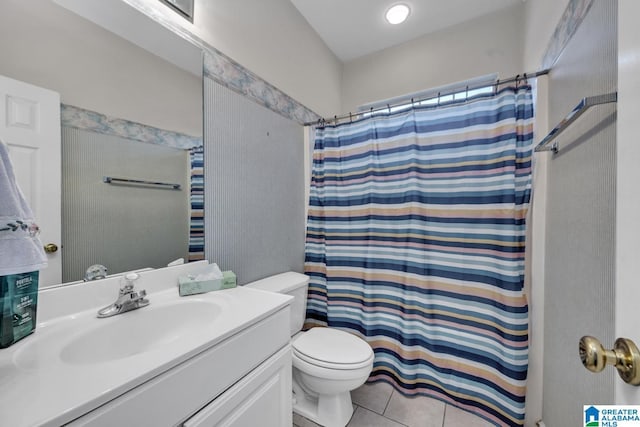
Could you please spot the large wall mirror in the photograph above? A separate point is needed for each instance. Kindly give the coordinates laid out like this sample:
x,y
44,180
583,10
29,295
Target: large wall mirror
x,y
131,95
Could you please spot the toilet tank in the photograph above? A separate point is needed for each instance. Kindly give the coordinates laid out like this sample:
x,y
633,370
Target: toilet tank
x,y
290,283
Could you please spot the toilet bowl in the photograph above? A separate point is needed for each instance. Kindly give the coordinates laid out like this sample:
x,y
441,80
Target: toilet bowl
x,y
327,363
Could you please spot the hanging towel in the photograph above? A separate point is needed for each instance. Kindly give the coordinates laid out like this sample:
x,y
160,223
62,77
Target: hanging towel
x,y
20,248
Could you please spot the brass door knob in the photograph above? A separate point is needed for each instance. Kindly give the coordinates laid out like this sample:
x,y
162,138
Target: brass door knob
x,y
50,248
625,357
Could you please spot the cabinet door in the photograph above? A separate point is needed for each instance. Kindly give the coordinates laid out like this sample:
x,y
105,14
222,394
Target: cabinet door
x,y
262,398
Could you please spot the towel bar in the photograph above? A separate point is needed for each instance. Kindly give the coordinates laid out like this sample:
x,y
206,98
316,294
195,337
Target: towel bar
x,y
583,106
142,183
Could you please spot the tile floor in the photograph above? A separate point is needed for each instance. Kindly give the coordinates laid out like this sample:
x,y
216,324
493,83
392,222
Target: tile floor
x,y
379,405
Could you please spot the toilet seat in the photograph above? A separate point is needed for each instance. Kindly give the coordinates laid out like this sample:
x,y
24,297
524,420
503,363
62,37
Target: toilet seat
x,y
332,349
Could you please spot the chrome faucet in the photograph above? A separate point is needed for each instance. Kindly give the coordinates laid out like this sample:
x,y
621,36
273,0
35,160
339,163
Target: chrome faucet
x,y
128,298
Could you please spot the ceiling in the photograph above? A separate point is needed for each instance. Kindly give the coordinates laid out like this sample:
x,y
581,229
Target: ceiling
x,y
353,28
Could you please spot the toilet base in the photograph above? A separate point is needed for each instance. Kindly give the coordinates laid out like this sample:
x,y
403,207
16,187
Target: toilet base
x,y
323,395
328,411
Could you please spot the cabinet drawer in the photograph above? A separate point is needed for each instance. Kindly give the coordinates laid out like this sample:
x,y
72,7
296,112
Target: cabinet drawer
x,y
262,398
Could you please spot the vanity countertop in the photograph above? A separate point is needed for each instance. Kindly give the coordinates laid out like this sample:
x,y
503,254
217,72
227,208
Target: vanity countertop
x,y
47,380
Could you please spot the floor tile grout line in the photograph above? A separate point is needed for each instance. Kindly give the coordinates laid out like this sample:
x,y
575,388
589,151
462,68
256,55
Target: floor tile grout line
x,y
384,411
354,413
444,414
394,420
383,415
386,418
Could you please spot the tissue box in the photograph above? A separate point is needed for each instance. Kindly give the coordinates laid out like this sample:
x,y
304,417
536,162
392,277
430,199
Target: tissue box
x,y
189,286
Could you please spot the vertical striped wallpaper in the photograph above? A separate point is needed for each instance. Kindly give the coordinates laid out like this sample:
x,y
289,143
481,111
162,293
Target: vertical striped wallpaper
x,y
118,226
254,186
580,255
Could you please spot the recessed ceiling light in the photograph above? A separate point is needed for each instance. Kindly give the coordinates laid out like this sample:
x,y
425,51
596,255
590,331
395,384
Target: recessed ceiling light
x,y
397,14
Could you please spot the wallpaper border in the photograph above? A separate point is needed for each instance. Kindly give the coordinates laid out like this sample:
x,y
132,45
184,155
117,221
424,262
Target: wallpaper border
x,y
571,19
234,76
81,118
231,74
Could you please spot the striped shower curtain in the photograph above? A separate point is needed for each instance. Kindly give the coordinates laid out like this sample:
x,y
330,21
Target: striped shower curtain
x,y
416,241
196,204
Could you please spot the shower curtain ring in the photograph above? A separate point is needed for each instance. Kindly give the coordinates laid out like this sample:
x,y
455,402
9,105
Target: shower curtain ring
x,y
526,80
496,86
438,99
466,94
388,109
517,80
350,117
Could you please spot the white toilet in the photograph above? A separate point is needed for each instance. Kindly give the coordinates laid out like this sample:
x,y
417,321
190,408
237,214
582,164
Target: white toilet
x,y
327,363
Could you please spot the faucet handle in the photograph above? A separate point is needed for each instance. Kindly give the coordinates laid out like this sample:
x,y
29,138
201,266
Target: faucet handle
x,y
132,276
95,272
140,299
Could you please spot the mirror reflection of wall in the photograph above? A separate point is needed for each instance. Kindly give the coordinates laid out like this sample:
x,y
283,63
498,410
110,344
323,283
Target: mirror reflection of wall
x,y
123,225
107,83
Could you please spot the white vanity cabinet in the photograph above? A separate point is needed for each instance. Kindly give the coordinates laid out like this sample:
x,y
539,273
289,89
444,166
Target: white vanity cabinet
x,y
219,358
262,398
242,381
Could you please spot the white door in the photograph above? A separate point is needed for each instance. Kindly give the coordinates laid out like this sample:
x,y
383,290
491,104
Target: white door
x,y
30,125
628,188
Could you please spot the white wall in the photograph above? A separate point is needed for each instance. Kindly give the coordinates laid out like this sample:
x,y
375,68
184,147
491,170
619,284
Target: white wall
x,y
46,45
628,175
272,40
482,46
535,262
541,19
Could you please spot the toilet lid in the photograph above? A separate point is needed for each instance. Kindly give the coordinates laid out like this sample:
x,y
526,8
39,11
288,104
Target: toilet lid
x,y
327,346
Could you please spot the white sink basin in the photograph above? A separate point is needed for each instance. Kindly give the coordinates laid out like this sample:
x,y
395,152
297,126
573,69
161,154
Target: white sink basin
x,y
84,339
139,331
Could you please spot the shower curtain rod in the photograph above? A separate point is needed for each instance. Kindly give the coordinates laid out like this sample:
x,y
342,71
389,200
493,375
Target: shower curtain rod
x,y
498,82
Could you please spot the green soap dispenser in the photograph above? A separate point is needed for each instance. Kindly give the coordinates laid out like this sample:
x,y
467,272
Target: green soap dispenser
x,y
19,295
6,319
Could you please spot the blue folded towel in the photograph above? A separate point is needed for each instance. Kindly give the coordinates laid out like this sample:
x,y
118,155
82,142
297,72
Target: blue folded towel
x,y
20,248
